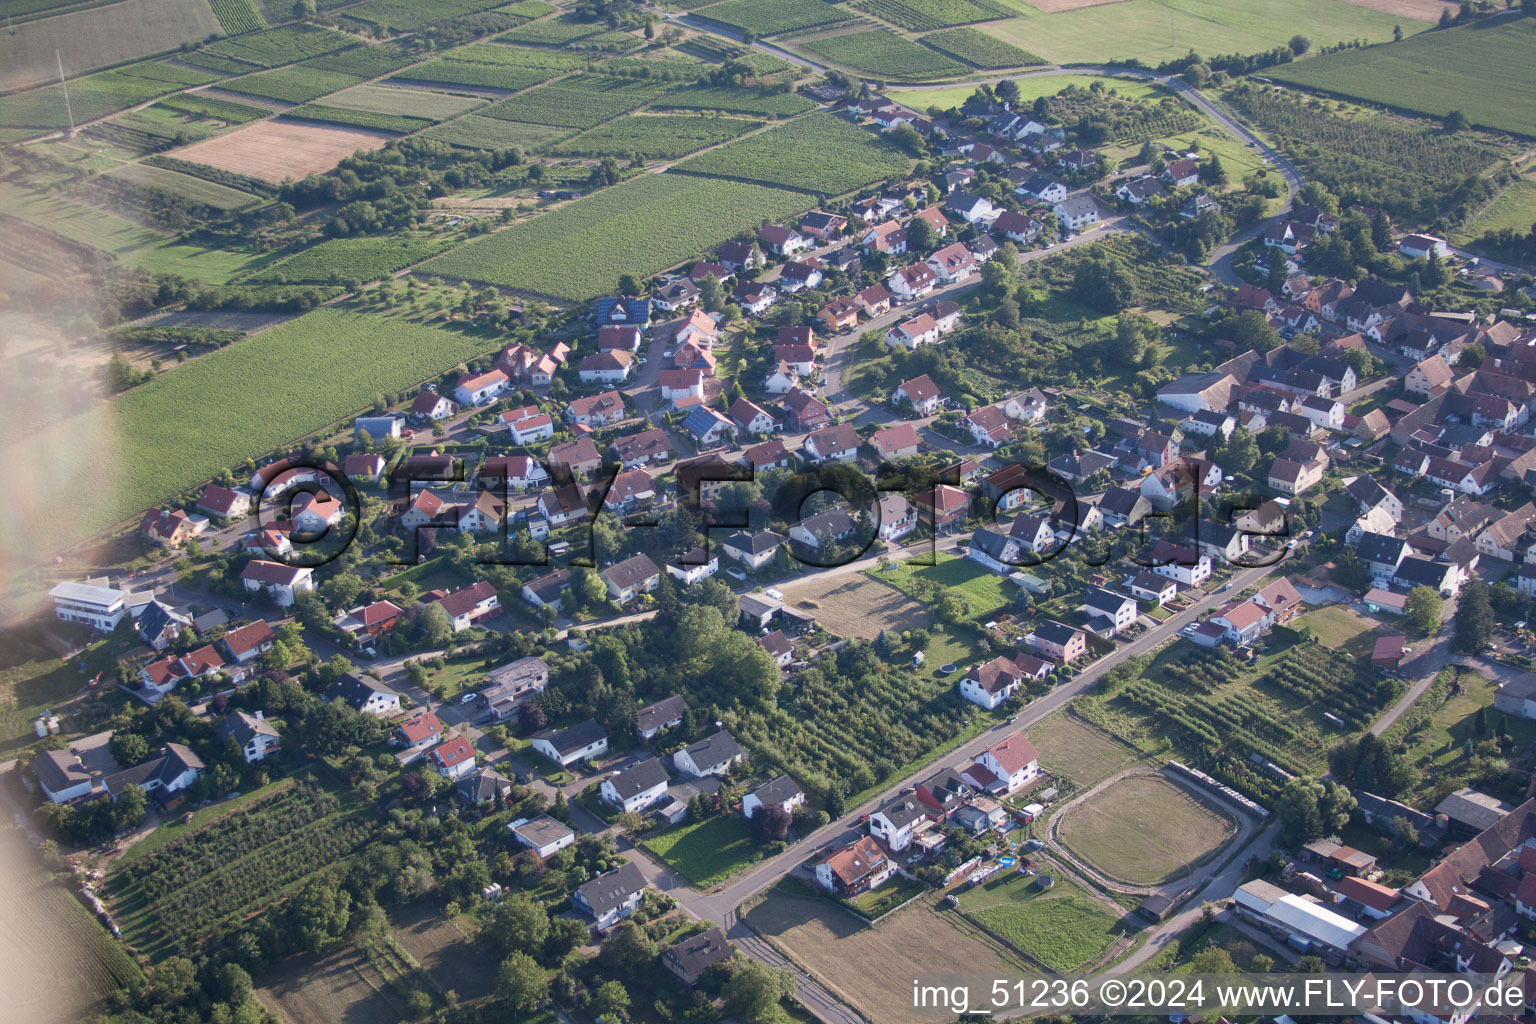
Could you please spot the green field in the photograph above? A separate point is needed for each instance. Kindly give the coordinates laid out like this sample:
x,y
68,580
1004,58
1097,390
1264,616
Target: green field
x,y
387,99
1157,30
819,153
186,425
655,136
409,15
292,85
207,106
1030,89
197,190
707,852
366,259
925,15
771,17
96,96
358,118
582,101
516,71
974,46
476,132
1513,208
1482,69
275,47
1062,927
734,101
984,591
881,51
640,227
554,31
236,16
368,61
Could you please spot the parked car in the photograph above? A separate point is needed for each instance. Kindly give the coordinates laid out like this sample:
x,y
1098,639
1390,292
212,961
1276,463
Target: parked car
x,y
468,698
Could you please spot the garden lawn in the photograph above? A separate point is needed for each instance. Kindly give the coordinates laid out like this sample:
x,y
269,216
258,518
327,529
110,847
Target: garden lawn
x,y
707,852
1062,927
984,591
186,425
888,897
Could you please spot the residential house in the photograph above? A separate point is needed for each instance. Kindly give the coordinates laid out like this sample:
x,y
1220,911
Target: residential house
x,y
168,529
630,578
922,392
364,693
898,823
784,241
806,411
367,623
1181,564
912,282
610,367
253,734
544,835
611,897
660,716
921,330
469,605
1058,643
279,582
898,441
992,683
648,447
713,755
567,746
752,549
453,759
1120,611
431,407
1077,212
690,958
856,868
508,687
752,418
783,792
598,410
836,443
693,566
1149,586
636,788
481,388
1005,767
708,427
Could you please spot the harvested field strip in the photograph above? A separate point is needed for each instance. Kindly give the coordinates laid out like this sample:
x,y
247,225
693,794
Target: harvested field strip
x,y
276,150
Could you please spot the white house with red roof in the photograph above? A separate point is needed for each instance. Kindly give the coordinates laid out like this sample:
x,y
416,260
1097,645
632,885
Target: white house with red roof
x,y
161,677
453,759
480,388
752,418
953,263
369,621
680,384
922,392
471,604
528,424
611,367
991,683
280,582
430,405
921,330
1011,764
313,512
223,503
249,641
418,734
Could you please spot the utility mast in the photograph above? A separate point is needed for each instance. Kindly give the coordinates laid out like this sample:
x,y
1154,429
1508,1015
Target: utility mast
x,y
65,86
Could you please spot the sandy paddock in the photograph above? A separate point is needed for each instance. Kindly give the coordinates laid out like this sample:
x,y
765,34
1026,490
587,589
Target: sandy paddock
x,y
277,150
